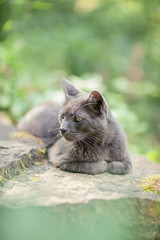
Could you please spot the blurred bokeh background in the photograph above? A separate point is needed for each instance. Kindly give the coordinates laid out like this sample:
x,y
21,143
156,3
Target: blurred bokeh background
x,y
109,45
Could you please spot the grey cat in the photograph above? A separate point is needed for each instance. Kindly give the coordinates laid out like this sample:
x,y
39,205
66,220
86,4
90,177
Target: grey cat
x,y
91,141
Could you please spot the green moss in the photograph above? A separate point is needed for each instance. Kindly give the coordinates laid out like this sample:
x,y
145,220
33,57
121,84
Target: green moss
x,y
38,163
152,183
41,152
29,157
1,180
21,164
5,172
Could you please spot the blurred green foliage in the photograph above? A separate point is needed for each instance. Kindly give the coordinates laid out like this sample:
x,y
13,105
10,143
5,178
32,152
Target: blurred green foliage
x,y
110,45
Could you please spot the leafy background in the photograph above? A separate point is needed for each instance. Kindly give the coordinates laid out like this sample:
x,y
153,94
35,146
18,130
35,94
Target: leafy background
x,y
112,46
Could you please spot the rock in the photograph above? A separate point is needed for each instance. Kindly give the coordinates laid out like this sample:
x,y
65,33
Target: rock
x,y
89,207
46,186
16,154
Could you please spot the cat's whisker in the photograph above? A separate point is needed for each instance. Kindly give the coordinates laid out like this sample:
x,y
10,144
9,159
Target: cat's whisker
x,y
54,132
82,140
97,137
91,142
58,136
51,134
53,129
95,145
89,145
94,138
86,144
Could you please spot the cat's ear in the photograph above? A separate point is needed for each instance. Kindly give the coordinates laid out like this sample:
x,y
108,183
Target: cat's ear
x,y
98,101
69,89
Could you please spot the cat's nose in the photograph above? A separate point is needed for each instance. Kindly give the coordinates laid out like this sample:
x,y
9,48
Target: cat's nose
x,y
63,130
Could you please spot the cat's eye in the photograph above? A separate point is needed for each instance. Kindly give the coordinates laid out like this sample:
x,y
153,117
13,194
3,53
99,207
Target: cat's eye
x,y
78,119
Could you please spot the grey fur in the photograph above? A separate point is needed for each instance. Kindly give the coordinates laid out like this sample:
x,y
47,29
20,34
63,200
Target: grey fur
x,y
94,143
42,121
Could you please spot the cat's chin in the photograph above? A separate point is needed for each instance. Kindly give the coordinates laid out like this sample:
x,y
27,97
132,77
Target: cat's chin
x,y
69,138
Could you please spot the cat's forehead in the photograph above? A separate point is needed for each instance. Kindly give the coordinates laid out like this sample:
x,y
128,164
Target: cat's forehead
x,y
75,104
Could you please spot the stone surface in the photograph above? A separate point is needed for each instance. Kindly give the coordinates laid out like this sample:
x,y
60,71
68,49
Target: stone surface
x,y
17,154
45,185
113,199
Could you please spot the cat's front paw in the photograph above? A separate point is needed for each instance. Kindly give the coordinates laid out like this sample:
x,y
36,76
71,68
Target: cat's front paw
x,y
84,167
58,164
65,167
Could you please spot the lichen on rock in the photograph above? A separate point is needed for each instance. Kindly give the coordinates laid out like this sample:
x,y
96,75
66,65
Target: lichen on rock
x,y
151,183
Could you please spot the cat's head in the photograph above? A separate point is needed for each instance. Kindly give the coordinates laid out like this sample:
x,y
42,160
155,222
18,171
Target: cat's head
x,y
84,115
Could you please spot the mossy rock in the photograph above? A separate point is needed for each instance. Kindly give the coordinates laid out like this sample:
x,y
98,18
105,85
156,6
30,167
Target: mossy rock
x,y
151,183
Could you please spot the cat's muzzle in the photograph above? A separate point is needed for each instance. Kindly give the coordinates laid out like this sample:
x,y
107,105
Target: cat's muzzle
x,y
68,136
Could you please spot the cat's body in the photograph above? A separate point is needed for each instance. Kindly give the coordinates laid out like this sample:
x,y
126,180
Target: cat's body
x,y
92,141
42,121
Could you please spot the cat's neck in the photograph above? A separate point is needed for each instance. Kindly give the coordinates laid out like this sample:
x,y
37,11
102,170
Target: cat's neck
x,y
84,151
